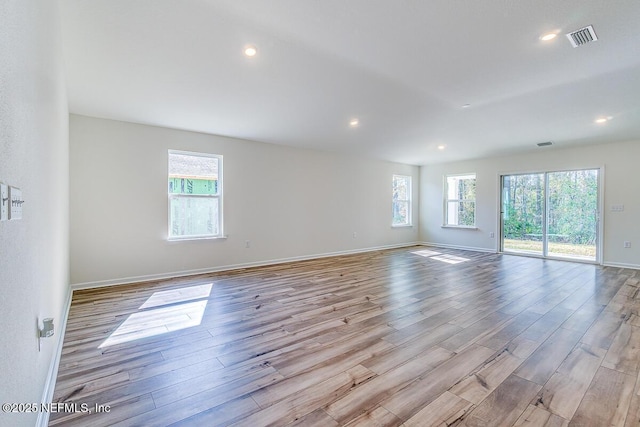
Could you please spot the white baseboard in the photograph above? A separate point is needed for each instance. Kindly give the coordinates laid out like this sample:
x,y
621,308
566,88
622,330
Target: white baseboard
x,y
493,251
464,248
169,275
50,384
621,265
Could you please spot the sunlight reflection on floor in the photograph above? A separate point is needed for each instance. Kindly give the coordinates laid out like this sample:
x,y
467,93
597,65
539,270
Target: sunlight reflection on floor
x,y
439,256
426,253
164,311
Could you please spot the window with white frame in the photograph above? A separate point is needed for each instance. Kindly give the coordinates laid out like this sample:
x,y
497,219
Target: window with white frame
x,y
195,195
401,200
460,200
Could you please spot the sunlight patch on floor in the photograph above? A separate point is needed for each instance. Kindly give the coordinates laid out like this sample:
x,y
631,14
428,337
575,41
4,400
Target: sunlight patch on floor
x,y
173,296
163,312
439,256
426,253
450,259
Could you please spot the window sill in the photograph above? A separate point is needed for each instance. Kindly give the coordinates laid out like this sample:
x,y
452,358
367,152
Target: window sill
x,y
463,227
190,238
402,226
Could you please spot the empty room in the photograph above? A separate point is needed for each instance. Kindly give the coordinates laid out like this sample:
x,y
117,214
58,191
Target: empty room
x,y
319,213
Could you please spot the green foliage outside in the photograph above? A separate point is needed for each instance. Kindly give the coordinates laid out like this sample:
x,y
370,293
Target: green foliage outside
x,y
557,249
573,201
461,196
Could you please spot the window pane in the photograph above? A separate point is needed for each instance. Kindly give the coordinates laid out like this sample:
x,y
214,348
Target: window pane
x,y
193,165
400,188
461,213
179,185
461,187
466,213
195,190
467,189
193,174
452,188
400,213
460,202
194,216
401,200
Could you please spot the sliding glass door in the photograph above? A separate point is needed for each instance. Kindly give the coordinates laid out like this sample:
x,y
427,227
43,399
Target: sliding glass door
x,y
552,214
572,219
523,213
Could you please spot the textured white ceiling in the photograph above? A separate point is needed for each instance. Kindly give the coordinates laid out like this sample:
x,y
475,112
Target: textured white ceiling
x,y
403,67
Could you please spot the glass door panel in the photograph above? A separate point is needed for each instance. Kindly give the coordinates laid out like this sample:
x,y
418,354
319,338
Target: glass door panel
x,y
523,211
572,215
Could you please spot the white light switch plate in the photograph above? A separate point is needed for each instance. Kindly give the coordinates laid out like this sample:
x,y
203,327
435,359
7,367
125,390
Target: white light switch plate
x,y
15,203
4,202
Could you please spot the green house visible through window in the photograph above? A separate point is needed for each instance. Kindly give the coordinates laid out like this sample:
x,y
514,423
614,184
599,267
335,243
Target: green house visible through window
x,y
195,195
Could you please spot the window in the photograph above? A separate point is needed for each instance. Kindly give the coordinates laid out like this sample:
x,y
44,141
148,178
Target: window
x,y
460,200
401,200
195,195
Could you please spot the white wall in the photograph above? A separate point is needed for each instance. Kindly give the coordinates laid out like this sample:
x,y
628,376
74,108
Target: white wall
x,y
287,202
620,163
34,254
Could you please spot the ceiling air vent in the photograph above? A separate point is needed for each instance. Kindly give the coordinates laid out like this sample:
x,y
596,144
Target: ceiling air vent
x,y
582,36
544,144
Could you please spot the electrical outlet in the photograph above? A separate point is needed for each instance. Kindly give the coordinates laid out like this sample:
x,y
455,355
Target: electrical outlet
x,y
627,244
247,244
617,208
492,234
355,234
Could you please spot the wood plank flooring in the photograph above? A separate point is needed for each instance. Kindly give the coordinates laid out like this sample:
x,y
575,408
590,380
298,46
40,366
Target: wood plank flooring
x,y
415,336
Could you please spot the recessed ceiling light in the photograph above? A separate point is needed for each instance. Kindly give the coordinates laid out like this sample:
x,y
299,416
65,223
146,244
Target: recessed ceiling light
x,y
548,36
601,120
250,51
441,147
354,122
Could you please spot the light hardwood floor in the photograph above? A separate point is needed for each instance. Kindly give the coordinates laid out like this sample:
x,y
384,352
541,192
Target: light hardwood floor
x,y
414,336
